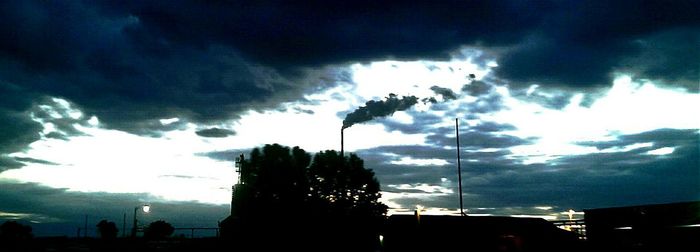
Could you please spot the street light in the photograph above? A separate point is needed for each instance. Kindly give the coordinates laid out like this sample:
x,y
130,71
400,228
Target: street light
x,y
146,208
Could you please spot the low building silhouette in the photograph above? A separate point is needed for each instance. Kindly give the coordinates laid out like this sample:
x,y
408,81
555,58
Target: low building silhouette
x,y
660,227
475,233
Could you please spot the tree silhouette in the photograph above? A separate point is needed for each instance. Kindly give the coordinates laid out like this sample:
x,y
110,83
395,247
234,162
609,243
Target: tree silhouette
x,y
15,231
274,178
15,237
335,200
347,195
107,229
343,187
159,230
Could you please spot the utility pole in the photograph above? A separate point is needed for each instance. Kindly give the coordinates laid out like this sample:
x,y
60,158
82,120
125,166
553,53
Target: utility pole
x,y
459,168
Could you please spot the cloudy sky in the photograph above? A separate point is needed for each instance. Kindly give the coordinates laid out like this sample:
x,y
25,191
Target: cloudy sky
x,y
562,104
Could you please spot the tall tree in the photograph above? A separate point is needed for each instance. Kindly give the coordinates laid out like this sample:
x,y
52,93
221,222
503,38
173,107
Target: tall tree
x,y
342,186
275,178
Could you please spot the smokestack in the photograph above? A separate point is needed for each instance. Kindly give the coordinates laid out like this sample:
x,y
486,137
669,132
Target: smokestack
x,y
342,145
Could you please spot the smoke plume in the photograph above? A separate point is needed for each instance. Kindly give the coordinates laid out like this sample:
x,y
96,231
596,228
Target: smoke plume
x,y
383,108
446,93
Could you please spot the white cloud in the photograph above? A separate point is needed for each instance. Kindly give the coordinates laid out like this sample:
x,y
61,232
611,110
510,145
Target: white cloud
x,y
661,151
627,148
169,121
420,162
628,107
102,160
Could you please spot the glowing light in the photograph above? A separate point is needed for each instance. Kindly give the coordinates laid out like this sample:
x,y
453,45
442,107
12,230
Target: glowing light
x,y
546,217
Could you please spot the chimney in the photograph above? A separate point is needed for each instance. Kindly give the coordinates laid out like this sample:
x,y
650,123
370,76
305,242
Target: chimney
x,y
342,150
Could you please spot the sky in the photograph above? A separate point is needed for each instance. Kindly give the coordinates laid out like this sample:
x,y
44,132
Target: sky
x,y
109,105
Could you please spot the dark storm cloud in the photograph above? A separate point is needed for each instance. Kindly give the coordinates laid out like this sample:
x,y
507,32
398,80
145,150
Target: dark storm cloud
x,y
116,68
580,43
546,41
668,55
132,62
215,132
320,32
61,211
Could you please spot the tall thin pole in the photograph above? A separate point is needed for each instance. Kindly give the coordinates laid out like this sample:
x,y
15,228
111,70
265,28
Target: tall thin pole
x,y
459,168
133,228
342,142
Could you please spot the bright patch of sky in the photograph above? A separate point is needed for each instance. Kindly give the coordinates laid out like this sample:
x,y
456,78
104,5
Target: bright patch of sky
x,y
114,161
628,107
661,151
34,218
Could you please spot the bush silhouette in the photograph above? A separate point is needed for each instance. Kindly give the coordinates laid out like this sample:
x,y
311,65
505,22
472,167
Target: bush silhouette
x,y
107,229
14,231
159,230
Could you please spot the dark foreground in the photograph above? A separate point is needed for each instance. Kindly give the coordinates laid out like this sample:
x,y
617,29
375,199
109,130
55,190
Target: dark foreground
x,y
218,244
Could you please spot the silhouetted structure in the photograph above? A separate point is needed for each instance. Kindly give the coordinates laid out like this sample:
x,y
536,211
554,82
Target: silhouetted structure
x,y
661,227
238,190
474,233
